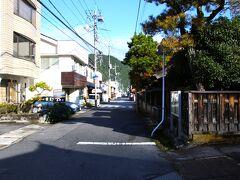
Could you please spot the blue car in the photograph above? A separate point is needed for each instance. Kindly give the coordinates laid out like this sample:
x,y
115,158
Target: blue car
x,y
73,106
43,106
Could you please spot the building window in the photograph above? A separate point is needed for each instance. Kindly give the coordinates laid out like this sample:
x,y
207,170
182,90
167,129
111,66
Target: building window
x,y
47,63
91,75
23,47
25,10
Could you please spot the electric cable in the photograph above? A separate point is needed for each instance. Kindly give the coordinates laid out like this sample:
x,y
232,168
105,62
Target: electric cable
x,y
71,11
78,11
61,30
60,14
86,42
139,6
143,11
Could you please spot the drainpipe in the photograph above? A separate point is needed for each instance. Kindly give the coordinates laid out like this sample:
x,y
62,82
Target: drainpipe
x,y
163,95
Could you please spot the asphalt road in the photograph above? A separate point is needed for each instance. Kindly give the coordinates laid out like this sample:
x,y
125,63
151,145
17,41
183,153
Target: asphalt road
x,y
110,142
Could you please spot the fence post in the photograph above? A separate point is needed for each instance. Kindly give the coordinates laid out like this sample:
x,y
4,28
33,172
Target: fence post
x,y
179,114
238,116
231,113
222,111
190,115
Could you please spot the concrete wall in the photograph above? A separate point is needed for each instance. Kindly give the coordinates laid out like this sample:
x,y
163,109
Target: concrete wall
x,y
9,23
73,48
19,72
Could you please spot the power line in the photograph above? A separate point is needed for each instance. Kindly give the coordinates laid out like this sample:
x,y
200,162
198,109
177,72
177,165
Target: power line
x,y
66,21
83,8
86,5
104,24
61,30
86,42
78,11
143,11
60,14
95,2
72,11
139,5
57,27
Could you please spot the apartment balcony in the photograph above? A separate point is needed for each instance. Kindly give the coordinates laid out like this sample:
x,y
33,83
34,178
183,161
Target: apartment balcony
x,y
73,80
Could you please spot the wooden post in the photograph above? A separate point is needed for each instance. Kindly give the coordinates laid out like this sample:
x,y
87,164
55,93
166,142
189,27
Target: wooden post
x,y
238,112
190,115
222,110
179,114
231,113
200,113
218,115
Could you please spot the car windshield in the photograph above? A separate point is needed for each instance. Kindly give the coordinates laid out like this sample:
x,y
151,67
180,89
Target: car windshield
x,y
91,96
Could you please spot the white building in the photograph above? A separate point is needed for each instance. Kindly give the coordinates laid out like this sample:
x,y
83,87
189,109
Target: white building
x,y
114,86
65,67
19,48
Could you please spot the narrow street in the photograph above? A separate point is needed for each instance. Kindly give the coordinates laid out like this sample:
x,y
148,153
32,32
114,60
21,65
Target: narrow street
x,y
110,142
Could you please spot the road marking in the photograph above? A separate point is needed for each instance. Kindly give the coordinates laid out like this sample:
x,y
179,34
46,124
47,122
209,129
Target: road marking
x,y
118,143
111,106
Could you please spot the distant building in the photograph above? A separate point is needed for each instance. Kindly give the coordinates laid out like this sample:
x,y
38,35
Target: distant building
x,y
19,48
65,67
114,87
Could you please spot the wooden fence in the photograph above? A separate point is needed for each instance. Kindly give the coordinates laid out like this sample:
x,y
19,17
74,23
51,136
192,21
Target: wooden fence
x,y
214,112
203,112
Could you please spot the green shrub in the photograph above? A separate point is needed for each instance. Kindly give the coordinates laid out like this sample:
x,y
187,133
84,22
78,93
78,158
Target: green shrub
x,y
57,113
26,107
87,104
8,108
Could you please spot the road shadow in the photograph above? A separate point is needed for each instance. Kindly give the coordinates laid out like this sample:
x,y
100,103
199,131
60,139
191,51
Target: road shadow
x,y
121,120
48,162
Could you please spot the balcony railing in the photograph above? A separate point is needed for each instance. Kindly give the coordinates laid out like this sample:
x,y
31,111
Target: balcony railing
x,y
73,80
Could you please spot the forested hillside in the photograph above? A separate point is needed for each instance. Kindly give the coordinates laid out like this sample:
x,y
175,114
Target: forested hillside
x,y
121,70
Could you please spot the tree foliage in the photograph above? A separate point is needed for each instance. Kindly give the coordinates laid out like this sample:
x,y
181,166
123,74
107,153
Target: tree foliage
x,y
216,59
142,58
208,48
122,70
234,6
40,87
183,18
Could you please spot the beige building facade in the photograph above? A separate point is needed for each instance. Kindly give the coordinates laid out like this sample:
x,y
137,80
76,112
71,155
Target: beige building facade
x,y
19,48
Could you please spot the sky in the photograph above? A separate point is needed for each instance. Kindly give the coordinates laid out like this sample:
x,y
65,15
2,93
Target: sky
x,y
119,24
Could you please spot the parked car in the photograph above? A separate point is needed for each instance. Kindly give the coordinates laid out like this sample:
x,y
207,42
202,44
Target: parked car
x,y
42,106
73,106
91,99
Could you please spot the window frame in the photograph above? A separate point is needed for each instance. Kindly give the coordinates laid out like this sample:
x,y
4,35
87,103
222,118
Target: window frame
x,y
31,47
30,6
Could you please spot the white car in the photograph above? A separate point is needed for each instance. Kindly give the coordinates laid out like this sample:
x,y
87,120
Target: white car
x,y
91,99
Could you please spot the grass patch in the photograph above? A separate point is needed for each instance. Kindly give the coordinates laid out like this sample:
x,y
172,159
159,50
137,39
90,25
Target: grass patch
x,y
163,141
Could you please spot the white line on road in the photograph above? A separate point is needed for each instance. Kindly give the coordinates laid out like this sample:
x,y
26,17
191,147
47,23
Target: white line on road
x,y
118,143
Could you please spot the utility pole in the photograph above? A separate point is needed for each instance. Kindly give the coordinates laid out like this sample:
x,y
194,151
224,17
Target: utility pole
x,y
94,52
96,16
115,72
109,74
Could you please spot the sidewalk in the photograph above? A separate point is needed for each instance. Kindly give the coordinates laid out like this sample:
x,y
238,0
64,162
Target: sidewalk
x,y
207,162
